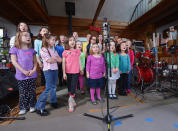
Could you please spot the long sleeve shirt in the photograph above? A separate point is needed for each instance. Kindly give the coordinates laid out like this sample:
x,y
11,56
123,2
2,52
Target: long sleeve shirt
x,y
95,66
131,55
114,60
124,63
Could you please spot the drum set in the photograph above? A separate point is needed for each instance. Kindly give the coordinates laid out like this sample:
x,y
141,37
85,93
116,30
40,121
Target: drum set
x,y
144,74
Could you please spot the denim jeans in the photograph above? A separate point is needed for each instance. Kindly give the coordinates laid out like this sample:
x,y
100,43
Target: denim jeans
x,y
51,77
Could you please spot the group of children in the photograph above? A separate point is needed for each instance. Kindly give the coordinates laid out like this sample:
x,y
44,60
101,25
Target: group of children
x,y
68,59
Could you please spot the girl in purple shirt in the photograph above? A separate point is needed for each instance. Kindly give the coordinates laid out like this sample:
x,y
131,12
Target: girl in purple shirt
x,y
24,59
95,70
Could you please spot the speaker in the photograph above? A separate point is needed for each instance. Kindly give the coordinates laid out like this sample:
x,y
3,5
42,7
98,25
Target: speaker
x,y
70,8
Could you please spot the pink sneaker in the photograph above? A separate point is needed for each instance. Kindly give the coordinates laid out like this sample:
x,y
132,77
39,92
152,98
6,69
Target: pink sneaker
x,y
128,91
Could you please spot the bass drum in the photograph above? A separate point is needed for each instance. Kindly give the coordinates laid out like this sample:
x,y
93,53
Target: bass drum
x,y
142,73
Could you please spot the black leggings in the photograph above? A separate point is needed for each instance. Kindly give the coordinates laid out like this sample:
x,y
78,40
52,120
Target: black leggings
x,y
72,80
123,82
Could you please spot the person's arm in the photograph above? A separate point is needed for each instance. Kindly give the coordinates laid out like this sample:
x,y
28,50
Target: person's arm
x,y
104,67
14,62
34,67
12,41
88,66
36,48
129,64
132,58
64,68
83,61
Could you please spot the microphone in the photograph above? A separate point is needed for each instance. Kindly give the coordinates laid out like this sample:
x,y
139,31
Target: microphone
x,y
105,29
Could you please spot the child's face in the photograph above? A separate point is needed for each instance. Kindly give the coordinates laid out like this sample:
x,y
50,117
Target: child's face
x,y
123,47
71,42
112,46
26,39
128,44
119,40
93,40
88,37
62,39
23,27
52,41
43,31
95,49
75,35
79,45
100,37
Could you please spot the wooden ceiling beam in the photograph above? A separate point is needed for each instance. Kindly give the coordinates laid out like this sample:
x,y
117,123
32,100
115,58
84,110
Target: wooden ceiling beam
x,y
39,9
100,5
12,3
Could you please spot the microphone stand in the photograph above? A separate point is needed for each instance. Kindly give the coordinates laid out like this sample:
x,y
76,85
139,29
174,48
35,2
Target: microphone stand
x,y
108,119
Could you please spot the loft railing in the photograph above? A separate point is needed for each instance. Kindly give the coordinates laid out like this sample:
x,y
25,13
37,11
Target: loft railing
x,y
142,7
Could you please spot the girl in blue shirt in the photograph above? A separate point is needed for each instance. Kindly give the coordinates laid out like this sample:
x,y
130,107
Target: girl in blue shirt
x,y
60,49
124,68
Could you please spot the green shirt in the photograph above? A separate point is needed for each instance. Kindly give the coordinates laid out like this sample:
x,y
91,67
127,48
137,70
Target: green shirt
x,y
82,58
114,60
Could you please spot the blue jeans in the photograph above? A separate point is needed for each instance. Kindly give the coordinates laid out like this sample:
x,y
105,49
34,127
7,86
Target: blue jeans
x,y
129,79
51,77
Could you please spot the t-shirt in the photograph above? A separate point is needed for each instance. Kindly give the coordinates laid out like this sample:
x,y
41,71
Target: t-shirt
x,y
45,56
59,49
25,60
72,65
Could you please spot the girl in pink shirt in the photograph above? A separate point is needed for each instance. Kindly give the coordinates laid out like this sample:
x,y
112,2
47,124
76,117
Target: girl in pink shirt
x,y
71,69
131,55
50,59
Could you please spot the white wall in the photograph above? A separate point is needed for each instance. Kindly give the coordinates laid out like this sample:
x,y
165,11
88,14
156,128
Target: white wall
x,y
11,28
115,10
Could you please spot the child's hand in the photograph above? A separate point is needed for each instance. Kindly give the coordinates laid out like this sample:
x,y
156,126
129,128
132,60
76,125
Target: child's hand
x,y
88,76
128,72
81,72
120,72
104,74
26,72
65,76
31,72
40,65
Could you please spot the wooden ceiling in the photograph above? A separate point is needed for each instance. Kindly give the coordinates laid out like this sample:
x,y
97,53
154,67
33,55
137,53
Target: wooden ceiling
x,y
163,13
29,11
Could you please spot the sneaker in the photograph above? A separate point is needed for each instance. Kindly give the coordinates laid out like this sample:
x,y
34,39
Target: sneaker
x,y
32,109
128,91
94,102
72,100
42,112
22,112
110,96
71,107
114,96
